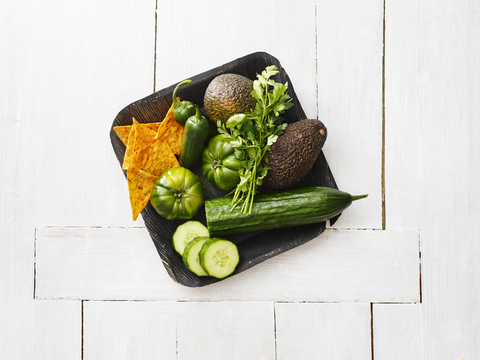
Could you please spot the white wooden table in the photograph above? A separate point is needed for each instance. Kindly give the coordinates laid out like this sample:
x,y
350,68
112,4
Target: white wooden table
x,y
398,277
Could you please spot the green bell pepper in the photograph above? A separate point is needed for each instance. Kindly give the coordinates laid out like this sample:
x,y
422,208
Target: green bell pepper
x,y
219,164
182,110
177,194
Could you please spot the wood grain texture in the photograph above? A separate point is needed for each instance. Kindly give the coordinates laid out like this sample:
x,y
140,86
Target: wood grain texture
x,y
57,330
253,247
129,330
433,161
323,331
397,330
121,263
65,71
73,75
227,330
16,247
216,33
349,82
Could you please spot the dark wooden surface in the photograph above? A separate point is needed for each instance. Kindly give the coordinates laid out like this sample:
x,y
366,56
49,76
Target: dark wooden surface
x,y
254,248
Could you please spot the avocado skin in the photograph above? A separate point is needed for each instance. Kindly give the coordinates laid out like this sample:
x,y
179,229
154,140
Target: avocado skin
x,y
293,154
227,95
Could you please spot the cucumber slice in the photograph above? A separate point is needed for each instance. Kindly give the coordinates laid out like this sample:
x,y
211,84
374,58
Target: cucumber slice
x,y
187,232
219,257
191,255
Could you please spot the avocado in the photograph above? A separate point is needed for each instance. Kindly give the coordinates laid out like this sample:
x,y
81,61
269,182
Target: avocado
x,y
293,154
227,95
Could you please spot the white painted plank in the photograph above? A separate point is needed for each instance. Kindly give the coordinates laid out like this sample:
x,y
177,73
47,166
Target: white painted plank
x,y
433,161
57,330
397,331
68,76
226,330
65,72
105,260
323,331
16,232
224,32
122,263
129,330
349,51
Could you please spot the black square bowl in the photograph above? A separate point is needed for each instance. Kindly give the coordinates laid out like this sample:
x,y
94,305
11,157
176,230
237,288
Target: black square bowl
x,y
254,248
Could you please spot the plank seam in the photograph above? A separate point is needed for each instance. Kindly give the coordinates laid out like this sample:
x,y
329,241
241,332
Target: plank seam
x,y
236,300
275,328
353,229
371,332
395,303
384,210
420,265
82,332
143,227
86,227
155,50
176,331
34,262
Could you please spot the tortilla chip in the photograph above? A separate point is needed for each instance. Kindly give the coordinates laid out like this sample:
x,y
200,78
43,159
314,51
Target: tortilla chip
x,y
138,138
171,132
161,159
123,132
127,157
155,158
152,126
140,185
147,155
143,136
141,157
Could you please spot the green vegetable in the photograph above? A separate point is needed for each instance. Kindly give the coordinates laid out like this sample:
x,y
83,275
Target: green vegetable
x,y
254,132
191,255
194,136
187,232
219,257
228,94
219,164
182,110
279,209
177,194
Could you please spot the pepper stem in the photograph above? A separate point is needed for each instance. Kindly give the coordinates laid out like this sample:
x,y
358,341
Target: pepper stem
x,y
358,197
174,95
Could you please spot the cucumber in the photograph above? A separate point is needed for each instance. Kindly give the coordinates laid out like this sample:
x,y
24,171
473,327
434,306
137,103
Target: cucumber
x,y
191,253
187,232
219,257
280,209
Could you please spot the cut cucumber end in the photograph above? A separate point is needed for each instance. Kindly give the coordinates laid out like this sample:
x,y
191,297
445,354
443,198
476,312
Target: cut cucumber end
x,y
186,233
219,257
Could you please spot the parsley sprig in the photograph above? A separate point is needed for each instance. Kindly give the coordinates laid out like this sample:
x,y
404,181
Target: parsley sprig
x,y
253,133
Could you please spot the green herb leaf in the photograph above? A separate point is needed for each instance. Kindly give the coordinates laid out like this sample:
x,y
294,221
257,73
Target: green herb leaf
x,y
257,92
272,139
237,120
239,154
255,132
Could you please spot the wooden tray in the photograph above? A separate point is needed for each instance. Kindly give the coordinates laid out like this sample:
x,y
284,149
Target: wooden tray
x,y
254,248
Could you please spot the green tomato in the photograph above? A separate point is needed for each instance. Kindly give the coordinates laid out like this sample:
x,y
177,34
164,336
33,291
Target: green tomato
x,y
219,164
177,194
